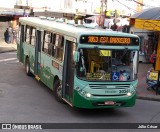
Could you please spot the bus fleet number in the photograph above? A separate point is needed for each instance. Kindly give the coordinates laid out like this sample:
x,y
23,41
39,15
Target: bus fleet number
x,y
124,91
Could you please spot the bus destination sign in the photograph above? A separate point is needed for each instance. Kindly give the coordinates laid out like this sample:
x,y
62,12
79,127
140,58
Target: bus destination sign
x,y
111,40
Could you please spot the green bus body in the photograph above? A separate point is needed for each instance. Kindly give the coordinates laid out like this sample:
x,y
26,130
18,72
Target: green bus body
x,y
59,66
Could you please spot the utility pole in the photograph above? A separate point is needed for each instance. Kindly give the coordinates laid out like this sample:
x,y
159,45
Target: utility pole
x,y
139,5
103,10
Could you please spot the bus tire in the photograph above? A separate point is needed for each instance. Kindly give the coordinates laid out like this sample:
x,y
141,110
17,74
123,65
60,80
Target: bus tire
x,y
58,91
27,67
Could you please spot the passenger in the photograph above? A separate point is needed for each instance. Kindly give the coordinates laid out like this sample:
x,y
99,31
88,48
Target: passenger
x,y
10,35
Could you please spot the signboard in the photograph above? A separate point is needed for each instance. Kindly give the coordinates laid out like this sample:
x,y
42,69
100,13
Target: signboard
x,y
105,52
99,76
115,76
110,40
153,76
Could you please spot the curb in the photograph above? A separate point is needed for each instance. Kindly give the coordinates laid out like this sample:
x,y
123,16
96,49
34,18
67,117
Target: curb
x,y
4,50
149,98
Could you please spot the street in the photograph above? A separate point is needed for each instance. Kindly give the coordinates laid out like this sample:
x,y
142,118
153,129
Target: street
x,y
25,100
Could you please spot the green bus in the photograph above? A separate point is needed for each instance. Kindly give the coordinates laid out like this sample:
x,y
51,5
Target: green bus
x,y
85,67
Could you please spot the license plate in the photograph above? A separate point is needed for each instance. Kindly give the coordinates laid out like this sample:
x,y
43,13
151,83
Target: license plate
x,y
109,103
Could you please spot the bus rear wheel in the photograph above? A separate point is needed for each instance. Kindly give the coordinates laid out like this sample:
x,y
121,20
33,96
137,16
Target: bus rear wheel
x,y
58,91
27,67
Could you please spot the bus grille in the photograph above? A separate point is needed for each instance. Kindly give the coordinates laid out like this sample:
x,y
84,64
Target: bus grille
x,y
109,86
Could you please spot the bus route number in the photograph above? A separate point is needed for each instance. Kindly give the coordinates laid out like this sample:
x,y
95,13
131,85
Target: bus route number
x,y
92,39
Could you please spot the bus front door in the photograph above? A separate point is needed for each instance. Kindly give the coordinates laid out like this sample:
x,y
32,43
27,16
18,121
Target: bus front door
x,y
68,73
37,55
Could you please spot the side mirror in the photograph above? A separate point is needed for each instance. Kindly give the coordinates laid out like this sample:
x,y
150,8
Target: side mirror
x,y
76,56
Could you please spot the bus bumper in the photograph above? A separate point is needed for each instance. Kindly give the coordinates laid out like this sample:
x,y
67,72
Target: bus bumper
x,y
103,102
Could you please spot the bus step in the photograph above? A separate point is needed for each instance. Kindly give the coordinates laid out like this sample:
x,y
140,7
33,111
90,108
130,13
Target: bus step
x,y
37,77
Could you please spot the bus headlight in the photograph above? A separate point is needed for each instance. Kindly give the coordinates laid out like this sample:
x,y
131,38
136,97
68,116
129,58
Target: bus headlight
x,y
129,94
84,93
88,95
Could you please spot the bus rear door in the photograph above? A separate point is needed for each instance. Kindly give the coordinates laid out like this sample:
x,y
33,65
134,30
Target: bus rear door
x,y
20,44
68,72
37,55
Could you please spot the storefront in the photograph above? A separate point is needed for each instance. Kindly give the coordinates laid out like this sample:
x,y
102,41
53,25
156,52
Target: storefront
x,y
148,22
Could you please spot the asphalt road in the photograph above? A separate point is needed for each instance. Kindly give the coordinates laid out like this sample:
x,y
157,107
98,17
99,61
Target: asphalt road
x,y
25,100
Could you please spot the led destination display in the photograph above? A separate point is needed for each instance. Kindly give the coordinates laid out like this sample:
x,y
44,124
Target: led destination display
x,y
110,40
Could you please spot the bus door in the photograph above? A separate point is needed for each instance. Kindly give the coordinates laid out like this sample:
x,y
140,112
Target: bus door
x,y
37,55
68,72
20,51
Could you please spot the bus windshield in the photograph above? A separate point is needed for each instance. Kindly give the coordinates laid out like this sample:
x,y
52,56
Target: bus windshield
x,y
107,65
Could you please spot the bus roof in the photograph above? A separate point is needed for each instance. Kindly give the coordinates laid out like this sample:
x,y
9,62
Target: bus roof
x,y
68,29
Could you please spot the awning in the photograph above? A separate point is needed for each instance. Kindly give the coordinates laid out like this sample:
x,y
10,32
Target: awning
x,y
153,25
151,14
148,19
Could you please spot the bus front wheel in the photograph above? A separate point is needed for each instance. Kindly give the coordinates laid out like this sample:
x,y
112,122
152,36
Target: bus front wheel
x,y
58,91
27,67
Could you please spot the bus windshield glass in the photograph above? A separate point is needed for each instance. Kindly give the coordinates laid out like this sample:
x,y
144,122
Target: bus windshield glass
x,y
107,65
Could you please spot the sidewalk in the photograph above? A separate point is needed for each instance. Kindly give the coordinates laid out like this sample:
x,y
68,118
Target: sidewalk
x,y
142,92
4,47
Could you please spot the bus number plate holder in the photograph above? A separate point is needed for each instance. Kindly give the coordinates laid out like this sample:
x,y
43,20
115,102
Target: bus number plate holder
x,y
109,103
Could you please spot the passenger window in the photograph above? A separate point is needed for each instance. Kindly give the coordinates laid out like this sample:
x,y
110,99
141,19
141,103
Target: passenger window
x,y
46,42
53,45
33,34
27,34
59,46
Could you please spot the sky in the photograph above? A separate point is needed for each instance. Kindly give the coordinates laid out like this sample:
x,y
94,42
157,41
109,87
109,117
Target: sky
x,y
118,4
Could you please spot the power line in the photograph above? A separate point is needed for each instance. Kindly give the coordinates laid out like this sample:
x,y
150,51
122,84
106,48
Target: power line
x,y
138,2
127,6
142,3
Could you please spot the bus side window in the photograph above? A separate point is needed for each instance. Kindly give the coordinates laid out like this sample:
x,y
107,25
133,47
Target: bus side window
x,y
32,37
46,41
19,32
53,39
59,45
27,34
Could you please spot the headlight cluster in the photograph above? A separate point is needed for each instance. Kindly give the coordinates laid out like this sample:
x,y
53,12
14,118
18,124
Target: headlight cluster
x,y
133,90
82,92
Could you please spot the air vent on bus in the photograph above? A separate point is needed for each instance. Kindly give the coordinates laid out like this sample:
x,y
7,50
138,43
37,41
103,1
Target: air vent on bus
x,y
109,86
42,17
51,18
91,25
61,20
71,22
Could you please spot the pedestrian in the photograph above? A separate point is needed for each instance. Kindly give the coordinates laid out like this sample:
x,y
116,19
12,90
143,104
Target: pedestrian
x,y
6,36
10,34
153,59
114,27
14,36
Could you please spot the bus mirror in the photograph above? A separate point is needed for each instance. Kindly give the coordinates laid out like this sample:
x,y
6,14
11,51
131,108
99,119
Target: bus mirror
x,y
76,56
